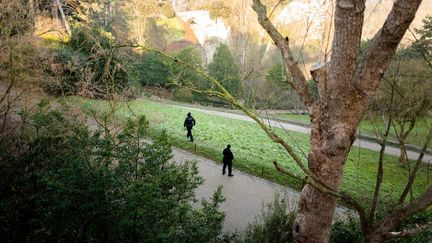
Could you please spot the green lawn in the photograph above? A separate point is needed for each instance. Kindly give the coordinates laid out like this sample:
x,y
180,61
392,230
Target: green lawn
x,y
372,126
254,151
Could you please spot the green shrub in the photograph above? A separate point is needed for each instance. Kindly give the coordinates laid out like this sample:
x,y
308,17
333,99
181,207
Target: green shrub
x,y
273,225
346,230
183,94
152,70
184,73
61,182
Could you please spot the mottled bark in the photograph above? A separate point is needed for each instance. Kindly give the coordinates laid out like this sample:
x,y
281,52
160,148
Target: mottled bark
x,y
333,129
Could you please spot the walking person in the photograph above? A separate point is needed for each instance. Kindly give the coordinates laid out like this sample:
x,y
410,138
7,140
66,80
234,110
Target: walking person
x,y
227,160
188,124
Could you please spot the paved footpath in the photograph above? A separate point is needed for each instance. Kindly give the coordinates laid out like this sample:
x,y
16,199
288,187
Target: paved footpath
x,y
363,143
244,193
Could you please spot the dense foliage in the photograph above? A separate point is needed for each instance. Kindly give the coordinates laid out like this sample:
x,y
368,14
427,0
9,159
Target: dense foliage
x,y
224,68
424,43
152,70
61,182
274,223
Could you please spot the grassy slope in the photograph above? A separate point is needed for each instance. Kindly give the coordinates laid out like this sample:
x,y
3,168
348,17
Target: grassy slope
x,y
254,151
371,126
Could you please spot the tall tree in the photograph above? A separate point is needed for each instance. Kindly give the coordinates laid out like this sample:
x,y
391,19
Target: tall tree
x,y
223,67
344,94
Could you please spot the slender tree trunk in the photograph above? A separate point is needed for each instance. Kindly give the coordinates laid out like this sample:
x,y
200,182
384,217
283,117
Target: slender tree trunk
x,y
32,10
60,8
403,152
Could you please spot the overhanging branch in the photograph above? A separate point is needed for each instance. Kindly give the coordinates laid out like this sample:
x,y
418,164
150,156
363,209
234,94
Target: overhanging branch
x,y
300,84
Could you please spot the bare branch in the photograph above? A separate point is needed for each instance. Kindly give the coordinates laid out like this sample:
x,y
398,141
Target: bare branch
x,y
300,83
384,45
400,213
408,233
380,164
380,172
274,8
60,8
416,167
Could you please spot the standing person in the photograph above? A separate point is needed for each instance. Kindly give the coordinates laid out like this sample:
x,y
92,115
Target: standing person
x,y
227,160
189,123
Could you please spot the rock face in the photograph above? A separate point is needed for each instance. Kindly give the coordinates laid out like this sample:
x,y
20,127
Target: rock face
x,y
210,33
204,27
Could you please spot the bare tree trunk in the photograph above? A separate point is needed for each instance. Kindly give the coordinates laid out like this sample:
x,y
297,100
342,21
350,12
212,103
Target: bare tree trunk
x,y
403,152
332,136
32,9
63,17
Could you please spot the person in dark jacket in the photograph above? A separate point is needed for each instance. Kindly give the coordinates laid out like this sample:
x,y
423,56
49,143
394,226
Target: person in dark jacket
x,y
227,160
189,123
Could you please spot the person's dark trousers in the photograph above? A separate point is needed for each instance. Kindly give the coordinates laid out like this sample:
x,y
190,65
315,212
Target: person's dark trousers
x,y
189,133
229,164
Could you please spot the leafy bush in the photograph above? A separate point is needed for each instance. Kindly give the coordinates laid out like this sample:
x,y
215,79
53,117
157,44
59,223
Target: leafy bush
x,y
273,225
61,182
184,73
346,230
183,94
152,70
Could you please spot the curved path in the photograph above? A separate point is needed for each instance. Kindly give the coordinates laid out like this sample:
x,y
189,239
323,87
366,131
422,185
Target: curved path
x,y
362,143
245,194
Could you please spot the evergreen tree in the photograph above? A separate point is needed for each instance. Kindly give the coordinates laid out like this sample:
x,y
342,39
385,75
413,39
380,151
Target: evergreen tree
x,y
185,75
278,75
224,68
424,43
